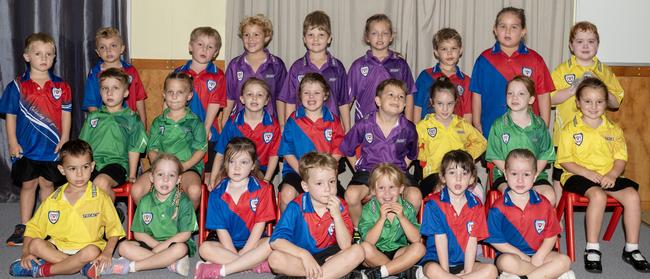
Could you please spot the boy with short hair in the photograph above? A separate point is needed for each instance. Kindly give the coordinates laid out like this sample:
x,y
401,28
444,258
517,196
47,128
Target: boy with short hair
x,y
116,134
110,48
313,237
77,218
38,108
209,85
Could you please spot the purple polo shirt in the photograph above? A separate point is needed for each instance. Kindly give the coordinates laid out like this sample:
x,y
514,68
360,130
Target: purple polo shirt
x,y
333,71
402,142
272,71
367,72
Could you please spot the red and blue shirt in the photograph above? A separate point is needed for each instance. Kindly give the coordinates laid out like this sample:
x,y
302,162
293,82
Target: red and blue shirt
x,y
428,77
301,225
38,112
265,135
524,229
93,98
255,205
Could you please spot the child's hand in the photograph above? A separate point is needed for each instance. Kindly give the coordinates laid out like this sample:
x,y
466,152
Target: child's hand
x,y
16,151
594,177
536,260
58,147
607,181
384,210
525,258
160,247
312,269
26,260
103,261
397,209
334,207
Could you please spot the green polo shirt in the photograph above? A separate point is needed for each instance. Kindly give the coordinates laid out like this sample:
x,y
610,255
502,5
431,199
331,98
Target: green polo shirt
x,y
153,217
392,235
505,136
113,135
181,138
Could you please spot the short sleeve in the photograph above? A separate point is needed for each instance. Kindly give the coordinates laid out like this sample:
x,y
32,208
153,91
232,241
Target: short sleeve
x,y
619,147
231,84
566,147
36,226
432,220
475,144
66,97
480,229
351,140
423,85
475,85
494,144
266,207
137,225
9,103
92,97
216,217
285,227
199,140
186,218
138,142
287,144
154,143
412,141
113,226
495,220
219,94
368,218
337,137
137,88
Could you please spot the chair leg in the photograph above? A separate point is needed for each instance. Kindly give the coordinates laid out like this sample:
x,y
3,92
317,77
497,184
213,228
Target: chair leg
x,y
570,234
613,222
202,210
130,208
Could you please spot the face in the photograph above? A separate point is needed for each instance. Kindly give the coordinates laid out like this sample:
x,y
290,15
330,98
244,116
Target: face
x,y
509,31
386,191
379,35
517,96
520,174
165,177
321,184
312,96
177,94
204,49
592,103
40,56
240,166
77,170
254,98
392,100
584,45
113,93
316,40
457,179
448,53
254,39
109,49
444,104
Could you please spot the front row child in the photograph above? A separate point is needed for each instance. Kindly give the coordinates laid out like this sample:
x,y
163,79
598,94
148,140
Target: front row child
x,y
453,223
238,209
79,219
389,227
314,235
523,225
593,153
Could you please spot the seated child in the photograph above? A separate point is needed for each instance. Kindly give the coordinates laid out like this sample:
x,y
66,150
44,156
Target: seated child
x,y
523,225
180,132
78,220
453,223
314,235
163,224
389,227
238,209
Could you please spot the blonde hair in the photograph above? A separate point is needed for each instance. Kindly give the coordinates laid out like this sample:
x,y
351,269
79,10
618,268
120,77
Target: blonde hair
x,y
314,160
116,73
387,170
179,168
259,20
206,31
256,81
521,153
107,33
377,18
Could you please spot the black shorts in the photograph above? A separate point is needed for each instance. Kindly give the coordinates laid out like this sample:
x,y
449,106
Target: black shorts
x,y
389,254
325,254
114,171
211,155
579,184
25,169
502,180
452,269
557,173
293,180
362,177
428,184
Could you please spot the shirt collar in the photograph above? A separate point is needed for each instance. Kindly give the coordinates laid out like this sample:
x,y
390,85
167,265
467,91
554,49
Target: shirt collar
x,y
168,200
26,75
370,57
459,73
534,197
523,49
188,115
211,68
91,191
327,114
330,61
241,59
253,184
596,66
471,199
239,118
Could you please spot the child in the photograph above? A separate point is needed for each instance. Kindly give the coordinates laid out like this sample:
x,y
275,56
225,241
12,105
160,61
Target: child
x,y
583,43
378,64
180,132
447,48
238,209
116,134
593,153
389,227
209,85
508,58
317,36
163,224
255,123
453,222
520,128
312,127
523,225
35,134
443,131
110,48
78,221
383,136
256,61
313,237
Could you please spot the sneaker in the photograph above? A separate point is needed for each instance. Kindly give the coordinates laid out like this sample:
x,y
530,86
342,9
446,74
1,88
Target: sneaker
x,y
205,270
567,275
506,275
263,267
15,269
90,271
355,274
636,260
118,266
212,236
372,273
356,237
181,266
17,237
414,272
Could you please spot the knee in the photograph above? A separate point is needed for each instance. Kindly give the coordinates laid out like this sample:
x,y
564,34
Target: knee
x,y
491,271
597,197
353,195
275,260
89,253
631,198
507,262
36,246
179,248
287,194
413,195
418,249
564,261
367,248
356,253
194,191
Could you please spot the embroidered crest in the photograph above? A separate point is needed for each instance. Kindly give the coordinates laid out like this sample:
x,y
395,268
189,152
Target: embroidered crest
x,y
470,227
267,137
432,132
587,75
364,71
570,78
328,134
254,203
93,122
527,71
539,225
53,216
300,78
240,75
162,129
56,93
147,217
506,138
330,229
211,84
369,137
460,90
578,138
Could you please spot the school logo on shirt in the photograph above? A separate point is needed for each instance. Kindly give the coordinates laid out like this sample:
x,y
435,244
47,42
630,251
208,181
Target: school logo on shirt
x,y
56,93
53,216
505,138
240,75
328,134
332,79
470,227
93,122
527,71
162,129
270,76
394,70
147,217
460,90
570,78
369,137
539,225
211,84
267,137
578,138
254,203
330,229
300,77
364,71
432,132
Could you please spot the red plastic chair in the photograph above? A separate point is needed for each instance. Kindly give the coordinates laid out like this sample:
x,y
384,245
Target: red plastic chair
x,y
565,208
124,191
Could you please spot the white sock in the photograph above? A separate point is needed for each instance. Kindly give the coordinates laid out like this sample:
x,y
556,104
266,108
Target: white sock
x,y
132,266
629,247
384,271
593,256
222,272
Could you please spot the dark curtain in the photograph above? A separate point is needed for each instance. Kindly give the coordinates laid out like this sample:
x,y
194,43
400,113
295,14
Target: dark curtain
x,y
72,23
